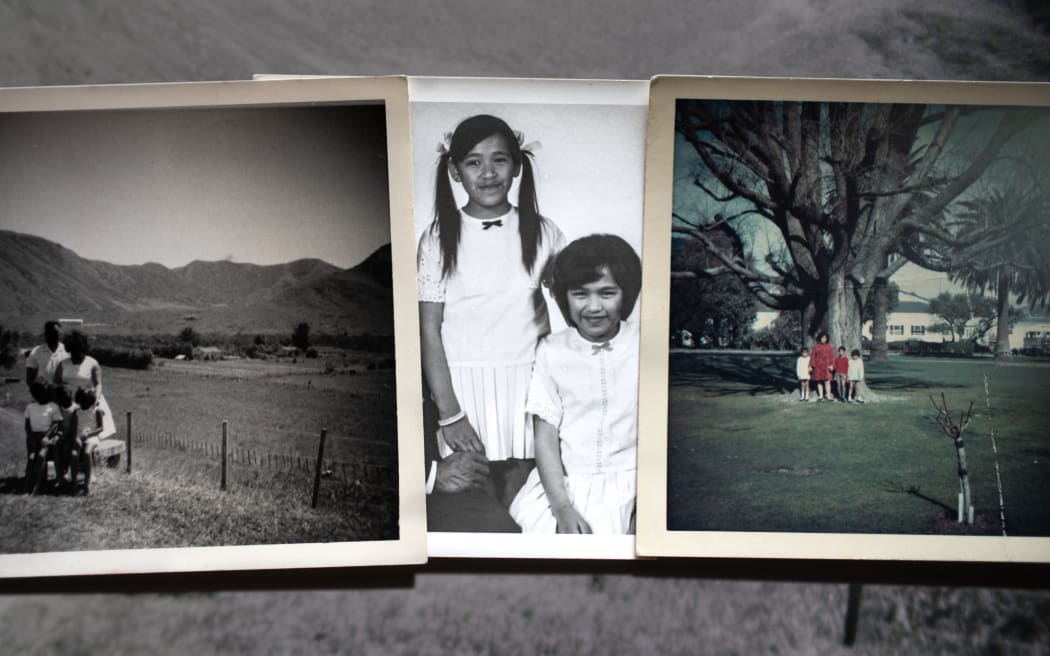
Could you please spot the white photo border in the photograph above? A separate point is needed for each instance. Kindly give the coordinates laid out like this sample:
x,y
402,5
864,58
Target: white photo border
x,y
410,546
510,91
654,539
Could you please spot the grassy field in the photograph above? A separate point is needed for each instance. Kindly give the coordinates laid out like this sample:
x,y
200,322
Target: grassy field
x,y
487,614
744,454
172,498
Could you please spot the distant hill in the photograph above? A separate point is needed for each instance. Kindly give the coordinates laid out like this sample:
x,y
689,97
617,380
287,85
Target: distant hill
x,y
41,279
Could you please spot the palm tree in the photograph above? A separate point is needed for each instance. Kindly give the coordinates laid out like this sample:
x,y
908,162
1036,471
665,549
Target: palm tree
x,y
1012,255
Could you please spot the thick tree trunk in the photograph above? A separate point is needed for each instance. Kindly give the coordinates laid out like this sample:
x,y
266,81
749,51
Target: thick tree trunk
x,y
810,323
843,322
880,301
1002,328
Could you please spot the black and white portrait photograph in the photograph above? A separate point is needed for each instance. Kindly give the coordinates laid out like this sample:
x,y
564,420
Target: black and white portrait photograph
x,y
198,328
528,216
857,296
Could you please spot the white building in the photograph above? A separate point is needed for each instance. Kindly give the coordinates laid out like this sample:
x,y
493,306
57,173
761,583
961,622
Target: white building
x,y
1037,327
910,320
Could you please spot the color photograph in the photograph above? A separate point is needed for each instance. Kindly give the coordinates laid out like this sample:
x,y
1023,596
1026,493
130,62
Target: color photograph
x,y
856,313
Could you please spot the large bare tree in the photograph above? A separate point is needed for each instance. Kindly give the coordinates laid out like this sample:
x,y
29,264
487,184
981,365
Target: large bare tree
x,y
847,188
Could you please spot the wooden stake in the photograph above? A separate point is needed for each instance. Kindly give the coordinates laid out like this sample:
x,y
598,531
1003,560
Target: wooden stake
x,y
128,449
317,468
225,428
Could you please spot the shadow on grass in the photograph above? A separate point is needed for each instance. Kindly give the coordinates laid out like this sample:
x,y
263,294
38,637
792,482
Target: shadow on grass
x,y
723,374
15,485
915,491
12,485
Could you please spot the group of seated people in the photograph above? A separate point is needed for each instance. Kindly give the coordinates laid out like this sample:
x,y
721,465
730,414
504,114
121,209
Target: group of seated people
x,y
68,417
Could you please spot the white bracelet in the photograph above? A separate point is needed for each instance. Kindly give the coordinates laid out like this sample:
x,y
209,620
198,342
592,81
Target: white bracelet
x,y
448,421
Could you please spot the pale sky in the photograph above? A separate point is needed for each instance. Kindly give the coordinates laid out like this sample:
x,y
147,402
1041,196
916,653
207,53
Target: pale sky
x,y
262,185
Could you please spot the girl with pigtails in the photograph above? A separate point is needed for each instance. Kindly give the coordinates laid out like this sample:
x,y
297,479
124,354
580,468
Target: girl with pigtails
x,y
481,270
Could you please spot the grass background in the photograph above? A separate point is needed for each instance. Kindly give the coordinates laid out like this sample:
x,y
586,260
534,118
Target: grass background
x,y
172,497
744,454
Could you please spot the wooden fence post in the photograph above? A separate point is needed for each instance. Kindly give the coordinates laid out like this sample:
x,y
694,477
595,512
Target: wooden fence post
x,y
317,469
225,428
128,464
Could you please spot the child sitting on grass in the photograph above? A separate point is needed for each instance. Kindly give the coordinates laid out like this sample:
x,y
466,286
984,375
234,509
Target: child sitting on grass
x,y
803,369
40,417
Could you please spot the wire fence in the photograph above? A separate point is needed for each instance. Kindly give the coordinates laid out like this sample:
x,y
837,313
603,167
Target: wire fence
x,y
363,473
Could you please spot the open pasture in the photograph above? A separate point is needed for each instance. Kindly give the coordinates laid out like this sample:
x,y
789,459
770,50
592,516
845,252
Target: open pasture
x,y
273,407
745,455
172,497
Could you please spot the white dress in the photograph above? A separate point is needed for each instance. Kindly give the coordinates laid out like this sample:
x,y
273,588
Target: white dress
x,y
494,315
802,368
590,393
74,376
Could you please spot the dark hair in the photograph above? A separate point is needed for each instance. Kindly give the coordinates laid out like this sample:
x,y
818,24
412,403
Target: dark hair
x,y
52,324
468,134
38,390
804,350
76,340
586,259
85,397
62,396
842,348
855,352
821,336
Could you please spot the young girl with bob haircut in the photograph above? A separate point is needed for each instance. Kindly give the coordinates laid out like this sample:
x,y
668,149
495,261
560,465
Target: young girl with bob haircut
x,y
480,274
583,397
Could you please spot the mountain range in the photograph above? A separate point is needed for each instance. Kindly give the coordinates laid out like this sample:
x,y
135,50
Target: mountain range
x,y
42,279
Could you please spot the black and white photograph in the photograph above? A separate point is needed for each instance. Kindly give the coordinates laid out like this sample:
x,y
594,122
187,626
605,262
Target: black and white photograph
x,y
855,333
198,328
528,217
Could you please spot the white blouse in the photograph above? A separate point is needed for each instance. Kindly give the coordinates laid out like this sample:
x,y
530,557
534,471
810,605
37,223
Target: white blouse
x,y
494,309
590,393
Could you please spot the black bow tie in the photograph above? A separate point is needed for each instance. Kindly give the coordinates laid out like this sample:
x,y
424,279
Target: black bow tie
x,y
596,348
485,225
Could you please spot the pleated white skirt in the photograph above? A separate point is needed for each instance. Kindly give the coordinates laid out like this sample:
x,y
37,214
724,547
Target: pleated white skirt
x,y
494,400
605,500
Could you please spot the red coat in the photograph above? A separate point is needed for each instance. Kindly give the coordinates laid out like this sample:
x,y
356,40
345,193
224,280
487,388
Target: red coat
x,y
822,360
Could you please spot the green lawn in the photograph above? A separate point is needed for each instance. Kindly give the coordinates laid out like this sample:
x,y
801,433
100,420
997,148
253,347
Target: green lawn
x,y
745,455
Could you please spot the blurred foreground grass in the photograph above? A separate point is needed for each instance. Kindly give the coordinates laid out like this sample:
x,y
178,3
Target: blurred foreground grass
x,y
525,614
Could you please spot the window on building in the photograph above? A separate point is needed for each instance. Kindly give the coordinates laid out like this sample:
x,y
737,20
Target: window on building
x,y
918,330
896,330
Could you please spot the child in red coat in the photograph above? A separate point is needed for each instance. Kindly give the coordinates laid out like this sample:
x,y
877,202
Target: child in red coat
x,y
841,370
